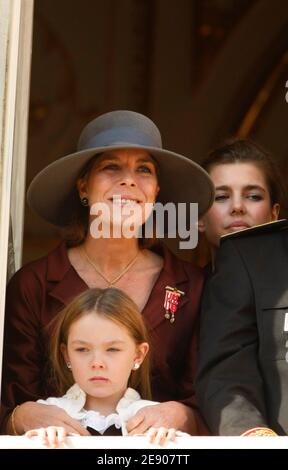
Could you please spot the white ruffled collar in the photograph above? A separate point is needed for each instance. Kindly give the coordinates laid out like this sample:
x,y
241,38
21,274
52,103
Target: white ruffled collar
x,y
94,419
77,398
73,403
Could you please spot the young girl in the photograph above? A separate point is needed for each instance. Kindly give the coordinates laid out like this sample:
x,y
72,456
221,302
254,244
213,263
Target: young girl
x,y
248,190
98,349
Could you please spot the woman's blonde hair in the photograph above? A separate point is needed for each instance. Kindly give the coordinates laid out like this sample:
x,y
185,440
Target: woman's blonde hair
x,y
114,305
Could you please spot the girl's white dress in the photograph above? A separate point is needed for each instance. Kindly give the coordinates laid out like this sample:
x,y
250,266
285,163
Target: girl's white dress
x,y
74,400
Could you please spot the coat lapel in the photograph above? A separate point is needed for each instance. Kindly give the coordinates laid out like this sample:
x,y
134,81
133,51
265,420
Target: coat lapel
x,y
66,284
173,275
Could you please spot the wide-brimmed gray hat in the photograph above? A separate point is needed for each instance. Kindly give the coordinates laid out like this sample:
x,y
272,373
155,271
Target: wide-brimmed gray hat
x,y
53,194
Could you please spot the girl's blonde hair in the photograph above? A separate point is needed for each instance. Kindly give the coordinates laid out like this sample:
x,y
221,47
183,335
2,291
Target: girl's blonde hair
x,y
114,305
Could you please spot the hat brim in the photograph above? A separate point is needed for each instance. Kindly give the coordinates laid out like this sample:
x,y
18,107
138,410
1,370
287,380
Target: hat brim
x,y
52,193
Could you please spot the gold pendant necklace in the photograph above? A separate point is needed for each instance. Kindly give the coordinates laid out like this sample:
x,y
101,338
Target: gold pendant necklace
x,y
118,277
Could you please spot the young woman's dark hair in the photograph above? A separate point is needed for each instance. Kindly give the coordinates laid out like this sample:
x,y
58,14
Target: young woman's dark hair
x,y
246,151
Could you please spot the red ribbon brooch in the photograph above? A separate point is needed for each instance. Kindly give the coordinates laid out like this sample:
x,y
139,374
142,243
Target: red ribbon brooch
x,y
172,297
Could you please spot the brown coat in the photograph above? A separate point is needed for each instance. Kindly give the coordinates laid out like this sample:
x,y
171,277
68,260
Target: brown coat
x,y
39,290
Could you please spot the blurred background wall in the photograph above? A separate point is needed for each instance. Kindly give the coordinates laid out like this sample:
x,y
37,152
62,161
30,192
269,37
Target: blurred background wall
x,y
203,70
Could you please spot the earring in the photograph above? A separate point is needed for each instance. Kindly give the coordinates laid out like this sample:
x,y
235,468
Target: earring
x,y
84,201
136,366
68,364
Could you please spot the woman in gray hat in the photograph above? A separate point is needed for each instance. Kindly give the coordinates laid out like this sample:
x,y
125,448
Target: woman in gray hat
x,y
121,167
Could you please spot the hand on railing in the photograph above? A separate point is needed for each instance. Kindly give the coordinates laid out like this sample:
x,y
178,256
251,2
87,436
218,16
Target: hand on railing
x,y
52,436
